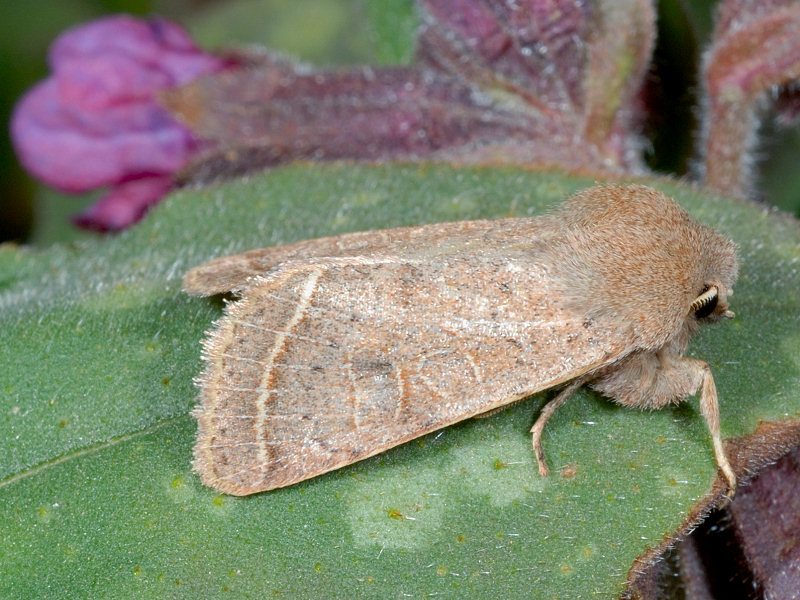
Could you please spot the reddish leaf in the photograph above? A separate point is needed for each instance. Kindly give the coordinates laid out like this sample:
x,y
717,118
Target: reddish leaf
x,y
529,82
756,49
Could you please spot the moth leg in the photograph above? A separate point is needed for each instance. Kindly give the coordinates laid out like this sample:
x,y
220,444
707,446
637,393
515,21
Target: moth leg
x,y
709,407
655,379
547,412
695,374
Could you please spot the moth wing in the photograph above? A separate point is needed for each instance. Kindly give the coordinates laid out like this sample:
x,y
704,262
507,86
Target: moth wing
x,y
232,273
327,361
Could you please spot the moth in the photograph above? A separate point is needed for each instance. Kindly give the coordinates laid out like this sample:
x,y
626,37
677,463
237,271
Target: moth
x,y
342,347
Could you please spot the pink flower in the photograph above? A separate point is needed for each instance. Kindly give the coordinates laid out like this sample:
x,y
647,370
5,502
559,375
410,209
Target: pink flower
x,y
96,122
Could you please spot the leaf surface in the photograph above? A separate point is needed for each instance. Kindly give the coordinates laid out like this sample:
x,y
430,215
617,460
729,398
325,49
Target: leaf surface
x,y
97,497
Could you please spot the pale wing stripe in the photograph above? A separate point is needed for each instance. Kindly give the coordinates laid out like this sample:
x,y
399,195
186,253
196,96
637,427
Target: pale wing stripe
x,y
401,391
269,364
477,372
356,398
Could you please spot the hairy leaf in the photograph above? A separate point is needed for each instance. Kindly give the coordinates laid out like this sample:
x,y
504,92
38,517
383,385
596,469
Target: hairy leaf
x,y
100,347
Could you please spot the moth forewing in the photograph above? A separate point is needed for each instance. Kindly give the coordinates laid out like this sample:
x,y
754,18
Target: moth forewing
x,y
229,273
328,361
342,347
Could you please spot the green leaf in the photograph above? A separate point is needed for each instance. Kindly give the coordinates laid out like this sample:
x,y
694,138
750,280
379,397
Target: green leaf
x,y
394,26
325,32
97,497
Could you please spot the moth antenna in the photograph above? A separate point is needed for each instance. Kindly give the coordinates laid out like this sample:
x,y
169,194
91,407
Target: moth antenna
x,y
709,295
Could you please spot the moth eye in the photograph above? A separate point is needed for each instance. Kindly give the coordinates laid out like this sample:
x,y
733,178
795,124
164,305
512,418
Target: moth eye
x,y
705,303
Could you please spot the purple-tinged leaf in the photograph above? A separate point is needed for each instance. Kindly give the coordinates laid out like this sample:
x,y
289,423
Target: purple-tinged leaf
x,y
580,63
620,44
535,82
755,51
271,116
534,50
766,516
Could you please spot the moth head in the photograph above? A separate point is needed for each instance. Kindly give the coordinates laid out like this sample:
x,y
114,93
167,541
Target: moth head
x,y
711,303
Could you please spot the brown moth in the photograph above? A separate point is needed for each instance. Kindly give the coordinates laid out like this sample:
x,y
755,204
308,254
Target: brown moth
x,y
342,347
